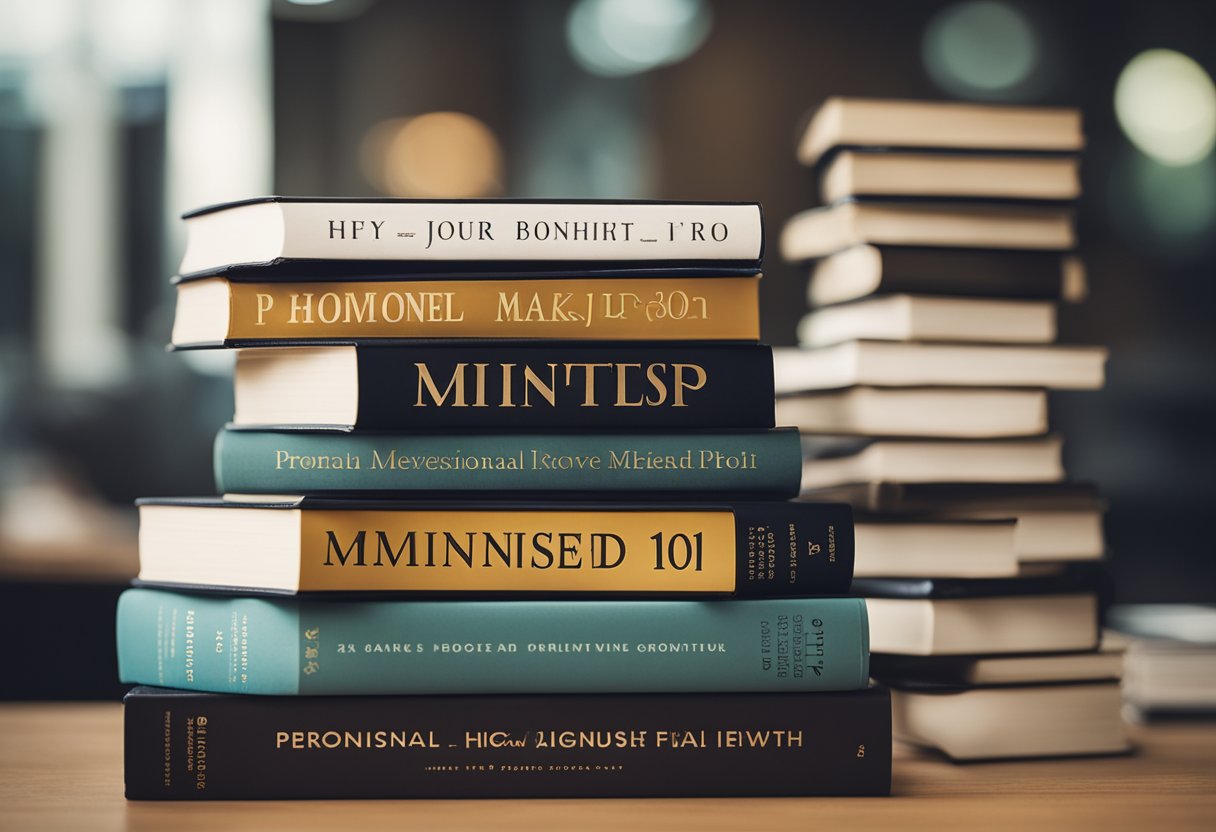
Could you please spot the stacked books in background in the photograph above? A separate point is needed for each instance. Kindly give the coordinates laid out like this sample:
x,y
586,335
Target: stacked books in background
x,y
921,386
505,514
1170,664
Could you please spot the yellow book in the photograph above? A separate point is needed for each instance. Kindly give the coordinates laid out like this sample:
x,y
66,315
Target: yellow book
x,y
292,544
217,311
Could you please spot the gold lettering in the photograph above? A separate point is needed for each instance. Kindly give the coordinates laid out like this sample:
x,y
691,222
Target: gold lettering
x,y
424,379
265,303
681,385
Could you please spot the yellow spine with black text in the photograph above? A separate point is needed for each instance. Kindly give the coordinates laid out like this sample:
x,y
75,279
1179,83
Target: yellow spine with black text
x,y
216,310
519,551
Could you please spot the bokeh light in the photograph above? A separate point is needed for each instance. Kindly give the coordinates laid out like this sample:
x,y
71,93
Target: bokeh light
x,y
1170,210
1166,104
981,49
436,155
624,37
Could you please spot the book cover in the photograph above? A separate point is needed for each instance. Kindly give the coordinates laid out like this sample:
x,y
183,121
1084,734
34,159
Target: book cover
x,y
488,385
218,312
189,746
316,545
760,463
290,647
270,230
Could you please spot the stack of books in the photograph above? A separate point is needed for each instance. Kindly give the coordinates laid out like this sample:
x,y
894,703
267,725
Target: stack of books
x,y
505,514
1170,662
921,384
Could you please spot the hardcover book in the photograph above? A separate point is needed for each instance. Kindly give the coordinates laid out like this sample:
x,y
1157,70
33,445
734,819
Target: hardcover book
x,y
929,617
273,231
190,746
940,461
823,231
876,122
1056,522
932,412
317,545
885,173
910,318
1102,665
324,647
915,270
215,311
912,364
920,547
425,465
486,385
992,723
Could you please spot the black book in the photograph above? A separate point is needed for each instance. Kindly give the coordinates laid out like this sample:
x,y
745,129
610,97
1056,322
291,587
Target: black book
x,y
982,616
1025,274
955,497
188,746
486,384
1074,578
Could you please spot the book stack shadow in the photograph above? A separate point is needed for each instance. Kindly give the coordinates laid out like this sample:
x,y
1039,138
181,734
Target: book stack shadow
x,y
937,264
504,513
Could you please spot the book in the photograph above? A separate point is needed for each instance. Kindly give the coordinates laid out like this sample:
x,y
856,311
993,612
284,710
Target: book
x,y
316,545
911,318
947,616
941,461
888,173
819,232
910,364
1171,658
1016,624
876,122
216,311
1102,665
587,745
925,270
986,723
628,465
909,548
1055,522
325,647
935,412
378,233
487,385
964,497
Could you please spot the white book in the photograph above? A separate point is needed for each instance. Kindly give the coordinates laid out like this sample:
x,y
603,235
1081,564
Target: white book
x,y
262,232
936,412
851,173
1011,722
963,626
880,122
935,549
823,231
922,318
911,363
900,460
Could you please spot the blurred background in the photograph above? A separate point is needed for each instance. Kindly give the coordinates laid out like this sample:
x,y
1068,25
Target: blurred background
x,y
116,115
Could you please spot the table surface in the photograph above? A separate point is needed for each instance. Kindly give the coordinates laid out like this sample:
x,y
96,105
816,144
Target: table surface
x,y
61,769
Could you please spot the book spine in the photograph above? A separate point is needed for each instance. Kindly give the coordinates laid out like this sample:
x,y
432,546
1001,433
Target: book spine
x,y
674,387
208,747
608,309
749,549
508,231
255,645
293,462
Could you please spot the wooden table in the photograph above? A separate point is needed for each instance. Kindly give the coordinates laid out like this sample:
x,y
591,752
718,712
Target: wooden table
x,y
61,768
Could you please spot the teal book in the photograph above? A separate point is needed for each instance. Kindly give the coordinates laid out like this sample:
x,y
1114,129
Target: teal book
x,y
228,644
763,462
